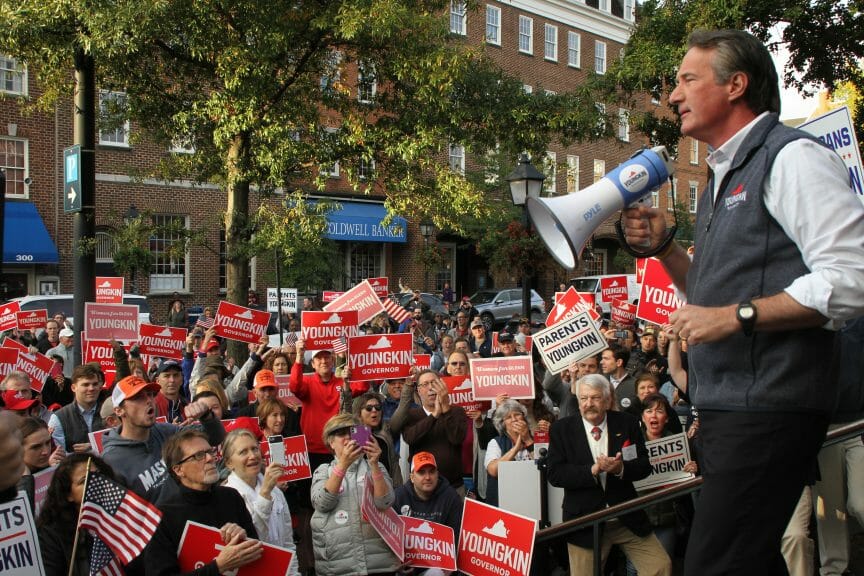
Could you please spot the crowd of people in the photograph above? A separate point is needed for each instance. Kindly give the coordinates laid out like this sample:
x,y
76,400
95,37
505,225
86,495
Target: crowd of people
x,y
750,349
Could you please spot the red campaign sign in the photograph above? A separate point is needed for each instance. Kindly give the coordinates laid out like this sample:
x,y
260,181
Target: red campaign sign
x,y
283,391
330,295
200,544
97,439
297,466
236,322
640,270
570,304
658,298
8,317
493,541
102,352
558,296
513,375
461,393
106,321
319,329
37,366
623,313
429,544
423,361
379,285
387,523
496,348
613,287
8,359
41,481
362,298
380,356
32,319
528,343
162,341
109,289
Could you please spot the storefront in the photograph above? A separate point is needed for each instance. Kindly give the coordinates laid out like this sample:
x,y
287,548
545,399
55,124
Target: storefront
x,y
27,249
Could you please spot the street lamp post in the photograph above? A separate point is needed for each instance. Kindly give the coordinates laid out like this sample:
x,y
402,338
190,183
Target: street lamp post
x,y
525,182
427,229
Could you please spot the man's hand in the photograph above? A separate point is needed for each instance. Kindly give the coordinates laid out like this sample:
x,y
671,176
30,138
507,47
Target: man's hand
x,y
610,465
644,226
234,556
195,410
82,448
232,533
300,346
698,324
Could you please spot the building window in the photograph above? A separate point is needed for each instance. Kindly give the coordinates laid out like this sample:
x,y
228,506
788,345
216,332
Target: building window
x,y
113,127
492,166
364,261
596,266
366,82
330,170
694,151
599,169
331,72
528,89
655,198
623,125
457,158
604,5
13,76
694,194
550,170
601,118
599,57
629,10
572,174
493,25
550,47
446,268
14,160
366,169
167,245
105,247
672,195
457,17
574,49
526,34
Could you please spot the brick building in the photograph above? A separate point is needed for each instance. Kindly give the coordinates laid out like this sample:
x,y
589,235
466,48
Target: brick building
x,y
549,45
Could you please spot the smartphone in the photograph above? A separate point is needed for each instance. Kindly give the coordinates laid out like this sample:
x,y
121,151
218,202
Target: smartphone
x,y
621,334
361,434
277,449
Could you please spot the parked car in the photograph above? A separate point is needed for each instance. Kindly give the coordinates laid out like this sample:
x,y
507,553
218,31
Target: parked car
x,y
436,305
64,303
497,307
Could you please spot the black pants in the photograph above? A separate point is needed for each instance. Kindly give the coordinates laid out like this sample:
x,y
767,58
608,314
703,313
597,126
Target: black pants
x,y
754,465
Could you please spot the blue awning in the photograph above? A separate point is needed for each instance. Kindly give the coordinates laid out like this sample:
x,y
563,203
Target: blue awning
x,y
361,222
25,239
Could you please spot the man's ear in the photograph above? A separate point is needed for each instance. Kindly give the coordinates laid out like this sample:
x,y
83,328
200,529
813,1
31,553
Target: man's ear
x,y
737,85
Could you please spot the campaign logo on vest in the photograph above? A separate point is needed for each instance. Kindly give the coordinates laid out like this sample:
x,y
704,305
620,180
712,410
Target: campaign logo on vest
x,y
461,393
512,375
109,289
320,329
737,197
614,287
162,341
236,322
32,319
200,545
8,316
106,321
658,298
380,356
429,544
380,285
493,541
361,298
570,304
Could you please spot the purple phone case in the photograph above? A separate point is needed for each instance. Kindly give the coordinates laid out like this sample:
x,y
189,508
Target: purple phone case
x,y
361,434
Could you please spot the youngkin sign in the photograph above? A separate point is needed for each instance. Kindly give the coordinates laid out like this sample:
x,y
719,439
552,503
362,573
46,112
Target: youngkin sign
x,y
511,375
380,356
236,322
200,544
320,329
494,542
569,304
570,341
361,298
162,341
19,543
8,316
109,289
429,544
106,321
461,393
658,298
32,319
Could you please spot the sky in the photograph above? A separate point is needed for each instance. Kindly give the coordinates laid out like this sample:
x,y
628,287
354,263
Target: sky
x,y
792,103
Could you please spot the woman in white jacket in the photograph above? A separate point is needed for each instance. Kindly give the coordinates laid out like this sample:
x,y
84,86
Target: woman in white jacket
x,y
264,499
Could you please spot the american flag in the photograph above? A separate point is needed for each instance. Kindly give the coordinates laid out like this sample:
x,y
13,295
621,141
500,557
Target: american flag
x,y
121,521
205,322
340,345
397,312
291,339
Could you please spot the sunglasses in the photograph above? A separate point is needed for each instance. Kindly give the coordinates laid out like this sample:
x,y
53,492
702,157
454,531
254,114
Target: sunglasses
x,y
372,407
458,363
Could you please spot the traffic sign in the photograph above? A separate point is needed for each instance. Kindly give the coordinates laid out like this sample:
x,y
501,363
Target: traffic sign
x,y
72,179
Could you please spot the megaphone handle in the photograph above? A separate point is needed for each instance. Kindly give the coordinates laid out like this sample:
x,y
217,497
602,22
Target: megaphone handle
x,y
622,238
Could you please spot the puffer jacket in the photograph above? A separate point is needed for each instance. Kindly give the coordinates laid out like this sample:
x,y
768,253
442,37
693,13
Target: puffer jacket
x,y
344,543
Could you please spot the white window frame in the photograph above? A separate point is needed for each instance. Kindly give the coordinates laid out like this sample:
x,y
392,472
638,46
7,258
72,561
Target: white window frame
x,y
105,247
599,169
108,138
366,169
493,25
574,49
572,173
693,190
458,18
332,73
623,124
630,10
604,5
550,170
161,282
526,35
599,57
456,158
362,71
550,45
331,171
25,170
694,151
10,68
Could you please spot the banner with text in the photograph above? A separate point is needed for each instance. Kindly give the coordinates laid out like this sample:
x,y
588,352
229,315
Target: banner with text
x,y
836,130
493,541
106,321
200,544
37,366
288,300
109,290
613,288
511,375
9,316
658,298
8,360
668,455
623,313
380,285
569,304
380,356
162,341
570,341
429,544
19,543
387,523
320,329
32,319
361,298
283,391
236,322
461,392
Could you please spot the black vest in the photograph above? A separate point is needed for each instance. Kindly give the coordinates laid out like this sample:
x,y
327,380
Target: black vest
x,y
75,427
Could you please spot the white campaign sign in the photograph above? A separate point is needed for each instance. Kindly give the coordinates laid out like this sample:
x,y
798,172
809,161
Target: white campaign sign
x,y
19,544
569,341
835,130
289,300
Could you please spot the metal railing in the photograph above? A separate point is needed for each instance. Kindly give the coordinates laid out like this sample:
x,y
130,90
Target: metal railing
x,y
595,519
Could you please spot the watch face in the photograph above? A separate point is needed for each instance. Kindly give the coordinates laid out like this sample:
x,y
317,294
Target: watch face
x,y
745,312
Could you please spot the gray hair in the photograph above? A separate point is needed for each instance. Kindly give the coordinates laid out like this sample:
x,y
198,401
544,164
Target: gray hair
x,y
231,440
14,375
503,410
597,382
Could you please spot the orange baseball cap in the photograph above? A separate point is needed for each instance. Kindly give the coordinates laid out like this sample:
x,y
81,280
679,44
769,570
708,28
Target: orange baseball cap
x,y
265,379
131,386
422,459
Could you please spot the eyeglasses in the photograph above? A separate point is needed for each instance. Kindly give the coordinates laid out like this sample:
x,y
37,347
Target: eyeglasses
x,y
199,456
372,407
458,363
341,432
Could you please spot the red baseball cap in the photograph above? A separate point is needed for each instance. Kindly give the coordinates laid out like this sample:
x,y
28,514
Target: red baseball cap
x,y
211,345
15,400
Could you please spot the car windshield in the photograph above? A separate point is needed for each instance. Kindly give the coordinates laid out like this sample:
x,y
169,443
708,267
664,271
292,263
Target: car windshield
x,y
483,297
584,284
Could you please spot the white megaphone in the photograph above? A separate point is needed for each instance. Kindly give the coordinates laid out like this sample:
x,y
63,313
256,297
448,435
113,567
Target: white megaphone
x,y
566,222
